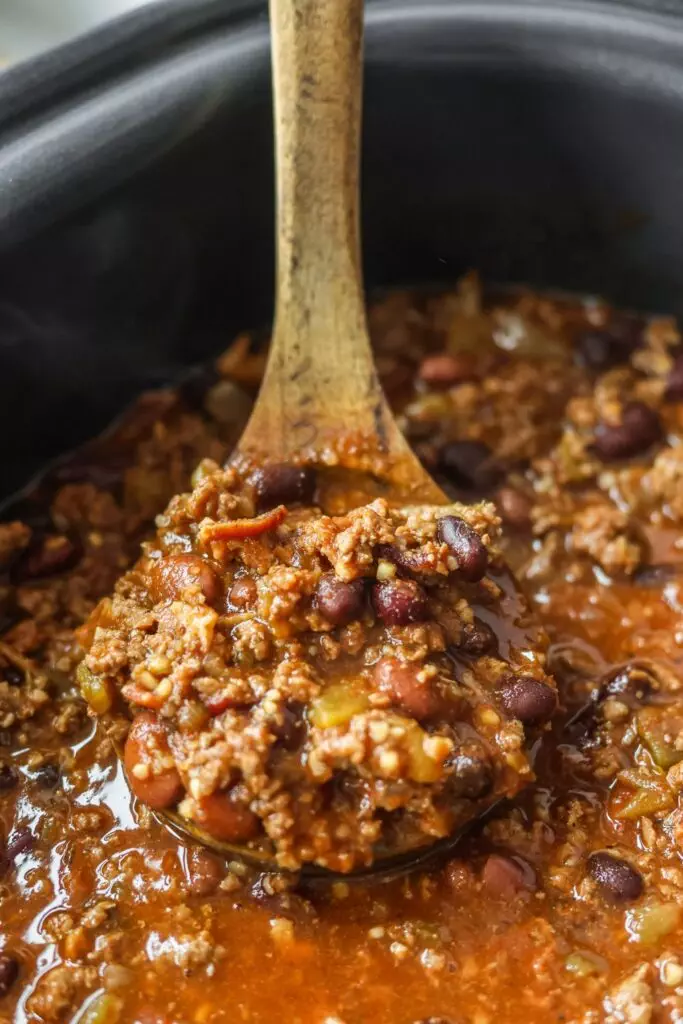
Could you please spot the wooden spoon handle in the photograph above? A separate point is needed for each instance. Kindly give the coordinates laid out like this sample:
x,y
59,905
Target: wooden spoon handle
x,y
320,378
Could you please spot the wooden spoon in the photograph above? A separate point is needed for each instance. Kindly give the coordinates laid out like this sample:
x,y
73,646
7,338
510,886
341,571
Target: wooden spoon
x,y
321,396
321,401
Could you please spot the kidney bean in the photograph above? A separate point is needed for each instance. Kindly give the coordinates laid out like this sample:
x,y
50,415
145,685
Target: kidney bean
x,y
467,546
399,602
444,370
468,464
243,593
205,871
171,575
147,738
477,639
674,384
9,972
505,877
225,818
640,428
338,601
616,877
399,680
472,773
283,484
20,842
529,700
514,507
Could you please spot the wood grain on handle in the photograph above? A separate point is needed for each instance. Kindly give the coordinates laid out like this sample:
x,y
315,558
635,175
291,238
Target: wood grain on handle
x,y
320,382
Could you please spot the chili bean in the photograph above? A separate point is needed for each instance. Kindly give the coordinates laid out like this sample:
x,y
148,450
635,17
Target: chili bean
x,y
616,877
146,741
283,484
467,546
400,681
529,700
472,771
172,575
514,507
478,638
505,877
640,428
399,602
243,592
9,972
8,777
674,384
225,818
468,465
444,370
290,731
338,601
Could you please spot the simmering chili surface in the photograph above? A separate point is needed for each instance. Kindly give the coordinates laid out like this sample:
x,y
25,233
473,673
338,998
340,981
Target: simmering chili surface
x,y
565,904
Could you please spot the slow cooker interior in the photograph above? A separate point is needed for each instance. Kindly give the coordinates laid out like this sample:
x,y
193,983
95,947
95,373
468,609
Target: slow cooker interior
x,y
538,144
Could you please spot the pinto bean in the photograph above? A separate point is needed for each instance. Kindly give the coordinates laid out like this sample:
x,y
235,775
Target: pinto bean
x,y
400,681
444,370
505,877
171,575
243,592
226,818
146,741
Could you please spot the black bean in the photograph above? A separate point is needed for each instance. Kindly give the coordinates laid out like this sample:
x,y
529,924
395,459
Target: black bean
x,y
472,774
640,428
9,972
283,484
478,639
615,876
630,685
399,602
13,675
674,384
48,775
50,555
466,545
291,730
529,700
20,842
468,465
598,349
8,777
338,601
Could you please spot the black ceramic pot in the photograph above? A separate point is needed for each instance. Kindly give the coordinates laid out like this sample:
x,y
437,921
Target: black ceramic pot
x,y
539,142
